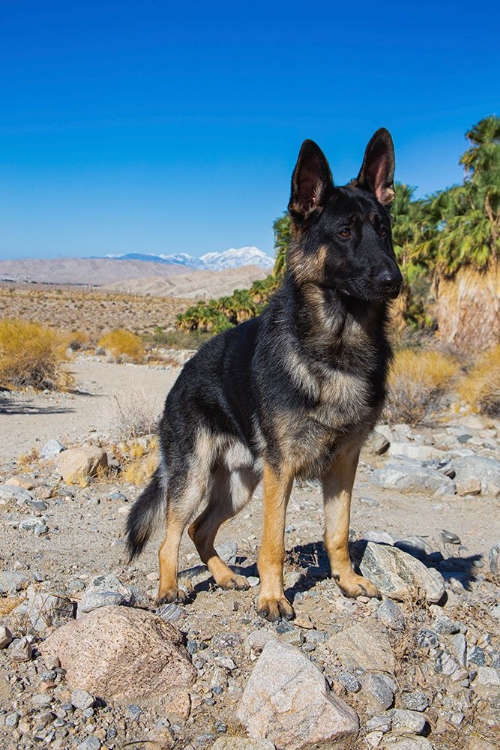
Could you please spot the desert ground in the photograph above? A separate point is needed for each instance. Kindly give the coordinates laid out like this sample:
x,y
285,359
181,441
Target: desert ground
x,y
421,670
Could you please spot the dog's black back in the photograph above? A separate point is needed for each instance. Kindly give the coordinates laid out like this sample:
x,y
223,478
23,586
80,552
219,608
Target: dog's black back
x,y
304,381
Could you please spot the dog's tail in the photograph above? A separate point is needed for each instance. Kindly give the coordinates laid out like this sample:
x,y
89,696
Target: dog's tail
x,y
144,515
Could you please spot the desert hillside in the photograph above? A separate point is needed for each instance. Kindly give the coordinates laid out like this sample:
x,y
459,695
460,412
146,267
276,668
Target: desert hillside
x,y
194,285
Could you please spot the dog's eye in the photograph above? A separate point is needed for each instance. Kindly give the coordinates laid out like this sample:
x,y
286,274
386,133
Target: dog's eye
x,y
384,231
345,232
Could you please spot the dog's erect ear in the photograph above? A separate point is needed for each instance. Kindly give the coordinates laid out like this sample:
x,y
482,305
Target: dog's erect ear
x,y
310,182
377,171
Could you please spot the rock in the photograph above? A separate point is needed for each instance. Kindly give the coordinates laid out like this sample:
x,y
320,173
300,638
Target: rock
x,y
494,559
33,523
82,699
91,743
288,701
489,676
449,537
397,574
380,723
10,493
415,546
416,452
226,640
407,722
170,612
482,469
75,463
459,647
51,449
443,625
381,689
415,701
349,681
242,743
105,590
5,636
410,476
121,653
364,645
377,444
45,610
256,640
472,422
468,487
20,649
477,656
177,705
380,537
12,581
228,552
391,615
373,739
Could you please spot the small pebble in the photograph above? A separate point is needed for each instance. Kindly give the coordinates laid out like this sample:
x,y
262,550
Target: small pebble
x,y
449,537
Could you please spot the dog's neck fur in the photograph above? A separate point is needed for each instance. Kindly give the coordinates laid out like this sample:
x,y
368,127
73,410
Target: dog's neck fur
x,y
333,326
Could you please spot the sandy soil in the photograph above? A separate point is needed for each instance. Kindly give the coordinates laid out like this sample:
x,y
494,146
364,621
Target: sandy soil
x,y
28,420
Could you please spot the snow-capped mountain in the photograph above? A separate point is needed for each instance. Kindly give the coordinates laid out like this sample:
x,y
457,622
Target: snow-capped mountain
x,y
232,258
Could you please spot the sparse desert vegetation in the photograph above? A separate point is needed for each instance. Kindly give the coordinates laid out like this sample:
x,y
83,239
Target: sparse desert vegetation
x,y
417,380
121,345
481,385
89,314
32,354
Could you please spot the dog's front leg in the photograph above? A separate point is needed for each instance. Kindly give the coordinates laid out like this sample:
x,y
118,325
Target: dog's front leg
x,y
337,490
272,602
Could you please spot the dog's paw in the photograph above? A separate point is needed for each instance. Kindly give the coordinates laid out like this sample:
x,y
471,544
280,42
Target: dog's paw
x,y
177,596
233,582
275,609
354,586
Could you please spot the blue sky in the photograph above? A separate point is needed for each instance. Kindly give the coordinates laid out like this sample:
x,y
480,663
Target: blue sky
x,y
166,127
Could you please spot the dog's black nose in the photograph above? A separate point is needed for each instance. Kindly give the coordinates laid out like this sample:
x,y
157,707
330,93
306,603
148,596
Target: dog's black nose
x,y
388,282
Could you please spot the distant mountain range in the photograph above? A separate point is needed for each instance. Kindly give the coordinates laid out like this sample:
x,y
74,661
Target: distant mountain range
x,y
232,258
123,268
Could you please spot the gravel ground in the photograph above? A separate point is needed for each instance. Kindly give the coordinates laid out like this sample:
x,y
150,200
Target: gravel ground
x,y
57,537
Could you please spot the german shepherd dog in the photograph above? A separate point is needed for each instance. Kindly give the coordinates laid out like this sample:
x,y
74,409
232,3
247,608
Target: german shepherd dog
x,y
292,393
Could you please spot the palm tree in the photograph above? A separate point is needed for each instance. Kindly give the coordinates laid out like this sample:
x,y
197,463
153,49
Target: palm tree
x,y
482,156
467,245
282,237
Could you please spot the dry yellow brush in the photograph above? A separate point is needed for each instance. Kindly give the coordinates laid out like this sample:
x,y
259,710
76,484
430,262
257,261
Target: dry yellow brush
x,y
480,388
121,344
416,382
32,355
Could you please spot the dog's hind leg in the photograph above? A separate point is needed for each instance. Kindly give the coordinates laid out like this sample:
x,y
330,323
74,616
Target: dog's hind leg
x,y
337,490
168,555
187,486
229,492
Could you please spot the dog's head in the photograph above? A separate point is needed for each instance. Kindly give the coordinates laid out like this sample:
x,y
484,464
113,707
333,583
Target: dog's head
x,y
342,235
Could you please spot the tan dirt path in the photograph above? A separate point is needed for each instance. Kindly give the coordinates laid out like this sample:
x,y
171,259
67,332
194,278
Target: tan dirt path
x,y
28,420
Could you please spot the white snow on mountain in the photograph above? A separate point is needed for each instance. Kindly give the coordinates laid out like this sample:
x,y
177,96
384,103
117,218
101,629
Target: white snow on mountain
x,y
232,258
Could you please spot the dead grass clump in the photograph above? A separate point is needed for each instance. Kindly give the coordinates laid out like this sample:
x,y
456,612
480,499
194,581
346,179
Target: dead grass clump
x,y
417,381
134,415
481,386
32,355
140,472
78,340
141,460
122,345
